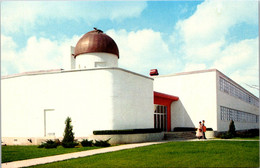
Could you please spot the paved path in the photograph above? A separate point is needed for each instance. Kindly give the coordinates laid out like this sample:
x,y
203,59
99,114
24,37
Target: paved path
x,y
50,159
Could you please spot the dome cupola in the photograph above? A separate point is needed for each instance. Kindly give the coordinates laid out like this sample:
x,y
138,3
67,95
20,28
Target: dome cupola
x,y
96,41
95,49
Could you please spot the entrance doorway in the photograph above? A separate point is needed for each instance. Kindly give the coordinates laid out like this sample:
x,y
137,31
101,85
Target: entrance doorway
x,y
164,100
160,117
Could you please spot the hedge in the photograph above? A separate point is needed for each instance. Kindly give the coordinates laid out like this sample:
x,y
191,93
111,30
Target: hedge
x,y
184,129
127,131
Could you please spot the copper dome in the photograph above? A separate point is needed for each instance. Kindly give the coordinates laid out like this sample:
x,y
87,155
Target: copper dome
x,y
96,41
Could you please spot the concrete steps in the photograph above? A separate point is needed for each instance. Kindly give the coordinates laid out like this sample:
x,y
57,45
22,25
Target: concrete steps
x,y
180,135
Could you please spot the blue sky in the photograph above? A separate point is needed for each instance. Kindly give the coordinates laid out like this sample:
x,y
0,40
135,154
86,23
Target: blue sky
x,y
172,36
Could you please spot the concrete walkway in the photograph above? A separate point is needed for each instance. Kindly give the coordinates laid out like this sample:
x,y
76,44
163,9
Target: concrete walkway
x,y
56,158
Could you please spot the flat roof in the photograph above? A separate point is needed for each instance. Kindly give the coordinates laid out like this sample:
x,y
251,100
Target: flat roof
x,y
186,73
53,71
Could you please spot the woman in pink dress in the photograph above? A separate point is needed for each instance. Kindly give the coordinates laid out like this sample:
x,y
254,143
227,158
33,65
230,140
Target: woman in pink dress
x,y
199,133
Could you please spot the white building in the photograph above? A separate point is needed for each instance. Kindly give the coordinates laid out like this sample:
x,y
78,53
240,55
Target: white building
x,y
211,96
98,95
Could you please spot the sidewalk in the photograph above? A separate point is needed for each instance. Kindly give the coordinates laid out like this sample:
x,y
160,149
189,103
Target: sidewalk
x,y
49,159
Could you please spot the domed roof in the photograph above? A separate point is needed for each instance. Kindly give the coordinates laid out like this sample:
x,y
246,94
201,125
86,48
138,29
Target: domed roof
x,y
96,41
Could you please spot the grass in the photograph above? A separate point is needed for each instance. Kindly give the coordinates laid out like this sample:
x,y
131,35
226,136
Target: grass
x,y
14,153
239,138
251,138
174,154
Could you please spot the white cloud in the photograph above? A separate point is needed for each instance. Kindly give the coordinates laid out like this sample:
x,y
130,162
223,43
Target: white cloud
x,y
143,50
202,40
38,54
242,54
194,67
24,15
204,33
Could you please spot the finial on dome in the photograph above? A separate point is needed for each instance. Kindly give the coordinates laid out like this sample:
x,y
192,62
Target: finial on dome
x,y
98,30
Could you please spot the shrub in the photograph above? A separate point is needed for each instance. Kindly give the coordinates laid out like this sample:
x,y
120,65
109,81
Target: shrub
x,y
188,129
248,133
58,141
41,146
86,142
232,129
102,143
69,144
49,144
183,129
226,136
68,140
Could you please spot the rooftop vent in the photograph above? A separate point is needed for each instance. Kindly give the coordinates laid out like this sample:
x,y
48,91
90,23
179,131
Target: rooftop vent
x,y
154,72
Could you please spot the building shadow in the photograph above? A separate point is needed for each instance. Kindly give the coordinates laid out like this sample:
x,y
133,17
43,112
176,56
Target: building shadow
x,y
180,117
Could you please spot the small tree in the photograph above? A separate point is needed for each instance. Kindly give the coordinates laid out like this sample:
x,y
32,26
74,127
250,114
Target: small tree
x,y
68,140
232,129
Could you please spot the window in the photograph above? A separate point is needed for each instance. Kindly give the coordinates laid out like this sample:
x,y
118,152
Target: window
x,y
228,114
234,91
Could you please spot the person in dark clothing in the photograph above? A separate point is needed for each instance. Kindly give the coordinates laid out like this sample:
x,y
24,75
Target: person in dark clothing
x,y
203,129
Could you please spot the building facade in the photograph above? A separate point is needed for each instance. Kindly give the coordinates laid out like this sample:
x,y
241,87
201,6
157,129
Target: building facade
x,y
211,96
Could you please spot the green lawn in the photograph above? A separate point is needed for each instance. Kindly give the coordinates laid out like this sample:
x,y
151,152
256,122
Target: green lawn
x,y
251,138
174,154
13,153
238,138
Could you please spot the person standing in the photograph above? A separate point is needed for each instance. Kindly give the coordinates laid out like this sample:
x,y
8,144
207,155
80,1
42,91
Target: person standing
x,y
199,133
204,129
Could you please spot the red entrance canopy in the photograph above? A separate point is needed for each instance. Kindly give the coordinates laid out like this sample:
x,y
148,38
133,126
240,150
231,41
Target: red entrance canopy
x,y
165,96
165,100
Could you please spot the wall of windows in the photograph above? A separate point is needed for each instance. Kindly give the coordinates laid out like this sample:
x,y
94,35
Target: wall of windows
x,y
228,114
229,88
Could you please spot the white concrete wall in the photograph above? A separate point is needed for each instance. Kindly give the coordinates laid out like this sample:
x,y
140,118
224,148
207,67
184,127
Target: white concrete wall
x,y
96,60
99,99
132,101
197,98
226,100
